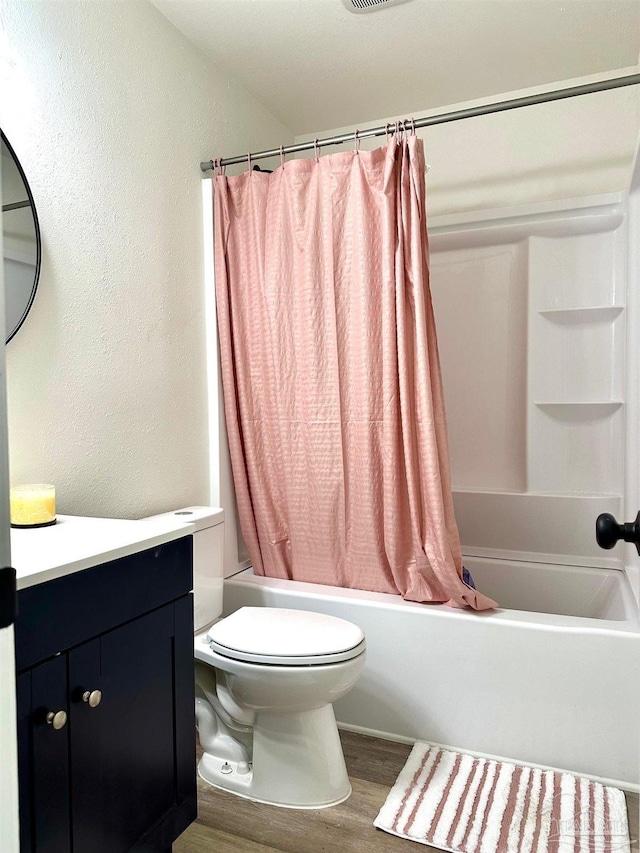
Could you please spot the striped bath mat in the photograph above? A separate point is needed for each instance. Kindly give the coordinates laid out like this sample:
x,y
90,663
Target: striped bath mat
x,y
463,804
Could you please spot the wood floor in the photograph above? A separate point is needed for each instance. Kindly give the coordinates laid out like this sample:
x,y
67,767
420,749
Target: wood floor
x,y
229,824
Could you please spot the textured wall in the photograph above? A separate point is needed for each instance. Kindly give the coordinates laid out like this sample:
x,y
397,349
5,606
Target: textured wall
x,y
110,110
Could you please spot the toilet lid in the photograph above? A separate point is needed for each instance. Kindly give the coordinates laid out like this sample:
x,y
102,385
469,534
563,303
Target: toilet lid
x,y
290,637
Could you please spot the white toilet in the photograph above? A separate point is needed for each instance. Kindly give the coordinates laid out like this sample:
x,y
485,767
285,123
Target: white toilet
x,y
266,679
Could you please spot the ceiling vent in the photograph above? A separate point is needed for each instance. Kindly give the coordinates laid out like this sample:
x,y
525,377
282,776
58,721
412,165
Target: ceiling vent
x,y
362,6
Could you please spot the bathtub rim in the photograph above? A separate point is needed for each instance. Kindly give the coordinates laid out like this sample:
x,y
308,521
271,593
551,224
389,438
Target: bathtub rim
x,y
629,627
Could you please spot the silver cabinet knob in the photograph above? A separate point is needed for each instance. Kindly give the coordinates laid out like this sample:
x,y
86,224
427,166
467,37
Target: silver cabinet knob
x,y
57,719
92,697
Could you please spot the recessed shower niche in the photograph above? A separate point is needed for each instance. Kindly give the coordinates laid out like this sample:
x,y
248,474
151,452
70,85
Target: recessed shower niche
x,y
530,308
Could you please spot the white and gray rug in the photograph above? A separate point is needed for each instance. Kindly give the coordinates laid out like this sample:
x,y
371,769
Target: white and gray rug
x,y
456,802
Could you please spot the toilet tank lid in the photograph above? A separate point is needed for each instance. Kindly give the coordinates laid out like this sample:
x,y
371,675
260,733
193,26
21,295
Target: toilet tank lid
x,y
201,516
276,631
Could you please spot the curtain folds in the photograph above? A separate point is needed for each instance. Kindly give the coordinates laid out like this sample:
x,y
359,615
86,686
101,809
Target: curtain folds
x,y
332,386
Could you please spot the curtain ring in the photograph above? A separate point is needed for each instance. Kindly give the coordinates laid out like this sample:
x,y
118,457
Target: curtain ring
x,y
356,138
386,132
282,155
249,161
413,126
316,149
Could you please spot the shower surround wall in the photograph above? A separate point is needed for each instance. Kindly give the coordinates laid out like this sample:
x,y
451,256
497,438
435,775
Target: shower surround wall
x,y
530,305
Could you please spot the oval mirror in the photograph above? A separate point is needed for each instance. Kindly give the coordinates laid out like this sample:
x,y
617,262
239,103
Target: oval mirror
x,y
20,241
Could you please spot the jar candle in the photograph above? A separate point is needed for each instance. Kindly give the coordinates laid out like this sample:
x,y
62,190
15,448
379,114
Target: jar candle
x,y
33,505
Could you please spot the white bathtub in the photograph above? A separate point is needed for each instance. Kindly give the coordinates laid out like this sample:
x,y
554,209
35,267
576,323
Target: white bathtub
x,y
551,679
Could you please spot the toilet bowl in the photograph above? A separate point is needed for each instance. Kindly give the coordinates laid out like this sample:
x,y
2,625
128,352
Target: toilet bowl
x,y
266,679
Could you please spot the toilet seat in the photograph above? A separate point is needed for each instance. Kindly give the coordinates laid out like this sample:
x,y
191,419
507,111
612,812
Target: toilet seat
x,y
277,636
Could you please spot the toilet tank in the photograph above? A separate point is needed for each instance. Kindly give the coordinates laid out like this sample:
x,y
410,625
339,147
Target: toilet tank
x,y
208,561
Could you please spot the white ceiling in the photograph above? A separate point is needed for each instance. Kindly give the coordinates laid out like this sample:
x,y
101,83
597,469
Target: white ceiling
x,y
317,66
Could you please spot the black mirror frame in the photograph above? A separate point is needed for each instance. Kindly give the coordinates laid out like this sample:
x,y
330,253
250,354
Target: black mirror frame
x,y
36,278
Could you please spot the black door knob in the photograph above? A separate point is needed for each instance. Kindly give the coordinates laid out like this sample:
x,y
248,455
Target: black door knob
x,y
608,531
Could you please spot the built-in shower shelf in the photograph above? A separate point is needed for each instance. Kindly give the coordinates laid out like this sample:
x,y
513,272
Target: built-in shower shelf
x,y
580,410
574,316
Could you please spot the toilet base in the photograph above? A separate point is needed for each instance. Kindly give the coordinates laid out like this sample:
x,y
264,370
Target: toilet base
x,y
297,762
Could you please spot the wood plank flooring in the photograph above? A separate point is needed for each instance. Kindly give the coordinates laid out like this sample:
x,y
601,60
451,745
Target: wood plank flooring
x,y
229,824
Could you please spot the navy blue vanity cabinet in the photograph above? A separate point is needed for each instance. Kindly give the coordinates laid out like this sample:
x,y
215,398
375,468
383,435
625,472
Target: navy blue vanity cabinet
x,y
106,706
42,691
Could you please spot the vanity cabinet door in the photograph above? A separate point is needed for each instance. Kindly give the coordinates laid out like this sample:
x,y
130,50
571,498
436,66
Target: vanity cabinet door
x,y
43,741
123,757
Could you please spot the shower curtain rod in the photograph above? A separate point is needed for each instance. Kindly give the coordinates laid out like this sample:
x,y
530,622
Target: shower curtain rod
x,y
427,121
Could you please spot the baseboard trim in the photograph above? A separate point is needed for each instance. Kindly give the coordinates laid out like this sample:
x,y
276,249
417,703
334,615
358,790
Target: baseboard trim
x,y
603,780
362,730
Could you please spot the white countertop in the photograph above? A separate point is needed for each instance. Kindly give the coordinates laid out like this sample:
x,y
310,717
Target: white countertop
x,y
77,543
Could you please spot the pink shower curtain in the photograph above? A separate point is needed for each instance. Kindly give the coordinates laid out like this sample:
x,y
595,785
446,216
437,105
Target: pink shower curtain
x,y
332,387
